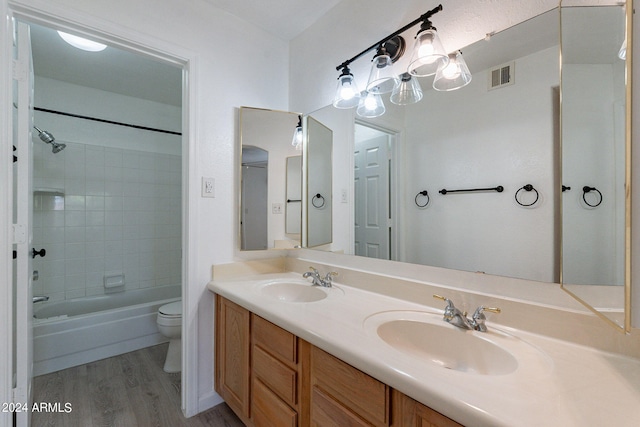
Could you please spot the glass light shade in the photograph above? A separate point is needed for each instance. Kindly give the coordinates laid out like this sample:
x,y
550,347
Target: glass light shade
x,y
407,92
371,106
347,93
428,54
622,53
82,43
454,75
297,138
382,79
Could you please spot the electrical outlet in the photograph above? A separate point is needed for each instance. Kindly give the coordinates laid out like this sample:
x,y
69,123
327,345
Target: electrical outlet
x,y
208,187
344,196
276,208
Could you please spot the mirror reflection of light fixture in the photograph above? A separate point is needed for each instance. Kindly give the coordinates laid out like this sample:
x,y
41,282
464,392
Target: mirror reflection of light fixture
x,y
382,78
428,53
82,43
407,92
622,53
371,105
297,135
347,93
454,75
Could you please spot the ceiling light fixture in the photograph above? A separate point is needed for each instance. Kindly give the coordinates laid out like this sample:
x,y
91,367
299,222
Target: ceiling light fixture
x,y
428,58
82,43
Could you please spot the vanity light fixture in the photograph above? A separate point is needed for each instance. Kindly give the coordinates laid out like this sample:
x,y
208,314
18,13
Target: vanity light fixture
x,y
428,58
297,135
82,43
454,75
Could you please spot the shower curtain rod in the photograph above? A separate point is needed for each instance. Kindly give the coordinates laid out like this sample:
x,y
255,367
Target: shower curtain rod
x,y
77,116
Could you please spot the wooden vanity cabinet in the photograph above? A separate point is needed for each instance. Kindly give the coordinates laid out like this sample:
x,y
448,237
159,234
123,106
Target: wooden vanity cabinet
x,y
232,369
342,395
279,375
270,377
410,413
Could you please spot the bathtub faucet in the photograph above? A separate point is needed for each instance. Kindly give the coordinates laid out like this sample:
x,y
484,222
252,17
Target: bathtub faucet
x,y
40,298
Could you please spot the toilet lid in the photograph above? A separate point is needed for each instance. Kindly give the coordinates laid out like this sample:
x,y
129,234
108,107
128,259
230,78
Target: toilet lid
x,y
171,309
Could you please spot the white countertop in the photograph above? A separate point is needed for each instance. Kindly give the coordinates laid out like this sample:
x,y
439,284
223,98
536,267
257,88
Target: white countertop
x,y
556,383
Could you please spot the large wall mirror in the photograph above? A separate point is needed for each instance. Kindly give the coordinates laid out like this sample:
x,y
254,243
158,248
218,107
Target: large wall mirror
x,y
517,136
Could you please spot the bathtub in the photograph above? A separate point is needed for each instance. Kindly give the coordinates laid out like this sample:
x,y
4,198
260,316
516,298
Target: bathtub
x,y
82,330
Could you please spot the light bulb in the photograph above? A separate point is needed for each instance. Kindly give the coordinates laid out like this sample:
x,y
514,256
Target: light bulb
x,y
451,71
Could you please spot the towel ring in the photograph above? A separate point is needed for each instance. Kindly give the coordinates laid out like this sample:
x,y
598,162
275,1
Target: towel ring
x,y
425,194
317,201
527,187
586,189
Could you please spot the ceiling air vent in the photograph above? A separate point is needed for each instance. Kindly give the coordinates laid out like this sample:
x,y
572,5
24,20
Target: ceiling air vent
x,y
502,75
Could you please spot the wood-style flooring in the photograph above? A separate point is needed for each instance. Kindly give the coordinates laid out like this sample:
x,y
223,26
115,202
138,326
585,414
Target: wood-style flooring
x,y
130,390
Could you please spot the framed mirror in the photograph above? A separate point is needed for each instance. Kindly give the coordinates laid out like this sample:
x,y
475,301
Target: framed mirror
x,y
266,145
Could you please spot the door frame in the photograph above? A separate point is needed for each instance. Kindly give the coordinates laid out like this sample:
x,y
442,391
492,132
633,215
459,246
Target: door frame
x,y
127,39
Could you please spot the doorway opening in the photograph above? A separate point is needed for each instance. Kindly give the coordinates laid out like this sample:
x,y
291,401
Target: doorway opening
x,y
374,203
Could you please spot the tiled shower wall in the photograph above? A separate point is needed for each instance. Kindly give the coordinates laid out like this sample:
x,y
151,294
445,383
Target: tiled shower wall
x,y
120,213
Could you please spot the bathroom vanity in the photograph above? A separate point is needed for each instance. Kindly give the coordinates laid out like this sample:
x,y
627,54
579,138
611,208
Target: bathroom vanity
x,y
268,376
373,350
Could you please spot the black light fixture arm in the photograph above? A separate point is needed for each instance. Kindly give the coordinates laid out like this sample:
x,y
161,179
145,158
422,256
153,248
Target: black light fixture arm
x,y
423,18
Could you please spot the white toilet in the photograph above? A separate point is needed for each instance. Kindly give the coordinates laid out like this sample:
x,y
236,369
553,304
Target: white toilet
x,y
170,325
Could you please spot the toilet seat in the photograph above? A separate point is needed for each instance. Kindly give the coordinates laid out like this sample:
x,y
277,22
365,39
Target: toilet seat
x,y
173,309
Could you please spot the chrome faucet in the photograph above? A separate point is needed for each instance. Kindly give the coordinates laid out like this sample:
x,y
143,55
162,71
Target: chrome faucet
x,y
319,281
458,318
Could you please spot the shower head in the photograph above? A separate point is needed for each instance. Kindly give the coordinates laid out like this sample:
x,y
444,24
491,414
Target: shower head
x,y
48,138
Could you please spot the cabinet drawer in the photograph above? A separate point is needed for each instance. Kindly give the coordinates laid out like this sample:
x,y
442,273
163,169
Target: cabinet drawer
x,y
277,376
363,394
274,339
268,410
326,412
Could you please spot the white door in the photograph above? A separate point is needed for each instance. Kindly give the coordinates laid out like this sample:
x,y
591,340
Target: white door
x,y
23,212
372,230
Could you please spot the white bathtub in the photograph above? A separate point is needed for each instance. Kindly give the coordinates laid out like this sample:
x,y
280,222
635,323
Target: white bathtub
x,y
82,330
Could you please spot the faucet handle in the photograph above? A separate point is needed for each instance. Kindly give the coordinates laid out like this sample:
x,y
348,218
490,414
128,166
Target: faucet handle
x,y
314,271
445,299
478,317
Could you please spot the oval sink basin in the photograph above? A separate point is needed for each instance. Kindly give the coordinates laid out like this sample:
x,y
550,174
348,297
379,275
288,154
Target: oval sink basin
x,y
293,292
422,336
448,346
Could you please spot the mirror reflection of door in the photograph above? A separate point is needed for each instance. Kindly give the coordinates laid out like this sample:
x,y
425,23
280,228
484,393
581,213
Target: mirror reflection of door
x,y
255,167
372,193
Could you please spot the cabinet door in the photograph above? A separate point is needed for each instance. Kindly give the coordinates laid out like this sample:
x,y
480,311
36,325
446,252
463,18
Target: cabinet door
x,y
410,413
232,355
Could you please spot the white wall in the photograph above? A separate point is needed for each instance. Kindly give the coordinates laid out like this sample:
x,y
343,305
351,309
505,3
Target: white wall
x,y
479,138
223,54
